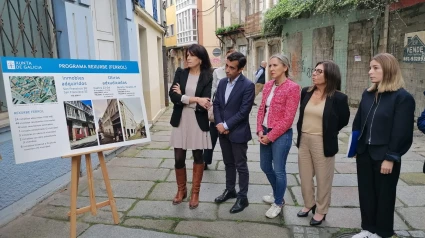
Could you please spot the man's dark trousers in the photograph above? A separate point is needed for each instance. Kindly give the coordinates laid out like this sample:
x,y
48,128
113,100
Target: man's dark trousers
x,y
235,159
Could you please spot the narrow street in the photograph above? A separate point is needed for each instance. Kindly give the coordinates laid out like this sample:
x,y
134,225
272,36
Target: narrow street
x,y
143,182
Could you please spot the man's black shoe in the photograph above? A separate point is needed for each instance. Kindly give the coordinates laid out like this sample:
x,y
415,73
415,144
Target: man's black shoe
x,y
227,194
240,205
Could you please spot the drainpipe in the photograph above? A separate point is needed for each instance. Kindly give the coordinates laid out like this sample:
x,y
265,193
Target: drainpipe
x,y
164,54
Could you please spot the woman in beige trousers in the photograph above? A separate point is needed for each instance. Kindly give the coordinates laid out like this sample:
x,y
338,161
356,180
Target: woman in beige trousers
x,y
324,112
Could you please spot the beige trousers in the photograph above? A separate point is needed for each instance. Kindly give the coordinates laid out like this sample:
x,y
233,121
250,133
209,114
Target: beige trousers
x,y
312,162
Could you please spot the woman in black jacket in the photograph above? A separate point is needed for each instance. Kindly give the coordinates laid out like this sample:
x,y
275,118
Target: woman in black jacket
x,y
190,94
324,112
384,121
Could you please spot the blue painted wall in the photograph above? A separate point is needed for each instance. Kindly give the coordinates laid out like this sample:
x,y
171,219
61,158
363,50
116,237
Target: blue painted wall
x,y
127,30
74,24
76,41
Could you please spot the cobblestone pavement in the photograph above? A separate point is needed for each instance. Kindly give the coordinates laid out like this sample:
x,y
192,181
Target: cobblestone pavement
x,y
143,182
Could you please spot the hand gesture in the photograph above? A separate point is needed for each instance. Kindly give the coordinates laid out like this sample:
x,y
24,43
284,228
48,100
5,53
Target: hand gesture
x,y
387,167
204,102
265,140
221,128
176,89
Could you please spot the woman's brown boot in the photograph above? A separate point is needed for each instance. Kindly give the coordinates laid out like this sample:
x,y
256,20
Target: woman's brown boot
x,y
181,186
198,172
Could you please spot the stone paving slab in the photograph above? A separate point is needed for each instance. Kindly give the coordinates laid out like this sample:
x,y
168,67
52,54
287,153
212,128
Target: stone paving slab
x,y
36,227
412,195
119,232
161,225
161,145
166,191
340,180
254,213
221,229
122,189
160,209
210,176
161,128
411,166
127,173
161,133
346,168
413,178
123,204
52,212
160,138
417,233
414,216
337,217
103,217
135,162
411,156
162,154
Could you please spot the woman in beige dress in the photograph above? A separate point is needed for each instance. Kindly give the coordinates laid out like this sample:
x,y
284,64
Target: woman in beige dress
x,y
190,94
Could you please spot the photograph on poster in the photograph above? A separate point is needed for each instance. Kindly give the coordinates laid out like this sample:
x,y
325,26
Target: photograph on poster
x,y
132,118
107,116
80,124
33,89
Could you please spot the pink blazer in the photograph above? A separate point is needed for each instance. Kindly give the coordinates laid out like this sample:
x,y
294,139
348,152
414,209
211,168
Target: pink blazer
x,y
282,110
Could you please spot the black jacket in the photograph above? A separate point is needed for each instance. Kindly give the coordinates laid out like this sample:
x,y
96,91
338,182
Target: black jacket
x,y
203,89
335,116
391,129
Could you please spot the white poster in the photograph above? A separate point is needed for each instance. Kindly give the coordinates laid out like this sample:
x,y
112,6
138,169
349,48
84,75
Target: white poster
x,y
59,107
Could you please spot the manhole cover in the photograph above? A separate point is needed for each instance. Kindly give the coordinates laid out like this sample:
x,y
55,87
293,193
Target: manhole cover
x,y
346,235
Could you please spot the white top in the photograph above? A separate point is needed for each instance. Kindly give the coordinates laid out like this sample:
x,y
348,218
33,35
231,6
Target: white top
x,y
268,102
218,74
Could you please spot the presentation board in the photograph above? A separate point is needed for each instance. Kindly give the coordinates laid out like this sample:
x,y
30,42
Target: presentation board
x,y
61,106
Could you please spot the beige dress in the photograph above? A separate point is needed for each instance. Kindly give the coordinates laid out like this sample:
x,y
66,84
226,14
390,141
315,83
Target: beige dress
x,y
188,135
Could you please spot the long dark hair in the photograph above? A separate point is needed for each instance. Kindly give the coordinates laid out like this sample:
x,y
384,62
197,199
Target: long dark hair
x,y
332,76
200,52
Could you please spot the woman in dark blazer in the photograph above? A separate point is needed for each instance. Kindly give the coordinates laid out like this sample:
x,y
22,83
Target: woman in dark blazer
x,y
324,112
190,94
384,122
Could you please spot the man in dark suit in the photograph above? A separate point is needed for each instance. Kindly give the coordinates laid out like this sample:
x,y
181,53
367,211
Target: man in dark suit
x,y
233,102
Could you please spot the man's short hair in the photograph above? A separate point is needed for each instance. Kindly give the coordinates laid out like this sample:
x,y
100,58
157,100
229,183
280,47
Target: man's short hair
x,y
239,57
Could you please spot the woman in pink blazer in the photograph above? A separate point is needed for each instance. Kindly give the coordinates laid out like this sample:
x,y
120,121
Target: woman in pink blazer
x,y
276,114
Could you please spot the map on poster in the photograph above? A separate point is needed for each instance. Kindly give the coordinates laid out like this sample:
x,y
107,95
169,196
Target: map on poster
x,y
59,107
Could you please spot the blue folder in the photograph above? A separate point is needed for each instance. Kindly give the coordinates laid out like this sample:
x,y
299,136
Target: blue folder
x,y
352,144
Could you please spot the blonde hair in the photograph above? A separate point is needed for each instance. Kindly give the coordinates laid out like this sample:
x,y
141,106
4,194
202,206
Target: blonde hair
x,y
392,79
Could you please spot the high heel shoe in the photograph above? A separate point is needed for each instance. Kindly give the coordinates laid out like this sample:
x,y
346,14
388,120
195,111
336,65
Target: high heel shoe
x,y
316,223
305,214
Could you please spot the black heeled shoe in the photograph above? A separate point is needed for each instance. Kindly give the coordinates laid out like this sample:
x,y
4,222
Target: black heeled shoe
x,y
305,214
316,223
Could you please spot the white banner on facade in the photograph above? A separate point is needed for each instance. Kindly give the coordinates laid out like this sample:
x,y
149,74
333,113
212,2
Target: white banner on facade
x,y
59,107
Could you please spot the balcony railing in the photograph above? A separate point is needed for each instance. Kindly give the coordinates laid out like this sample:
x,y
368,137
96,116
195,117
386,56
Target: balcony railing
x,y
253,24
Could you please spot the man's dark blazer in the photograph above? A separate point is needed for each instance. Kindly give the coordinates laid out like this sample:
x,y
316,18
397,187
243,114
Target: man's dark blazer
x,y
203,89
336,115
236,111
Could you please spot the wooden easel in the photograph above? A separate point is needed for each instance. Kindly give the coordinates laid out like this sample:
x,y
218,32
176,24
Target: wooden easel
x,y
75,175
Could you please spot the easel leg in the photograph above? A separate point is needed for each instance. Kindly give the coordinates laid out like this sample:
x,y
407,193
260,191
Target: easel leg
x,y
108,187
75,173
91,185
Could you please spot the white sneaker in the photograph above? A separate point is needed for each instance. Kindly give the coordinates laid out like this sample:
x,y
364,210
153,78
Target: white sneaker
x,y
269,198
375,236
364,234
274,211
